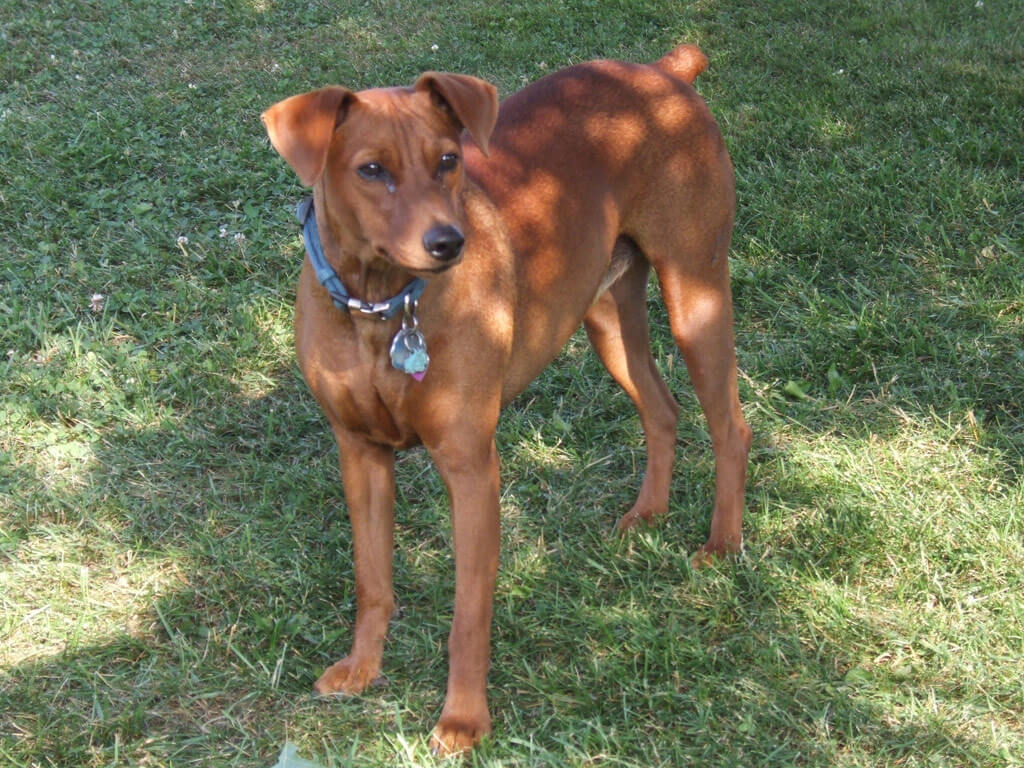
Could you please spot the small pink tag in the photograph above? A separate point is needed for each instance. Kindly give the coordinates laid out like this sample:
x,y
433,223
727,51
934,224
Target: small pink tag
x,y
418,375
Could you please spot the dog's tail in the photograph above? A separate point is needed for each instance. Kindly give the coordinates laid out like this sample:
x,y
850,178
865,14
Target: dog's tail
x,y
684,62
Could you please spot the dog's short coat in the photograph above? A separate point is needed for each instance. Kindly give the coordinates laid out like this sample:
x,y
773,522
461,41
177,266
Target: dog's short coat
x,y
553,214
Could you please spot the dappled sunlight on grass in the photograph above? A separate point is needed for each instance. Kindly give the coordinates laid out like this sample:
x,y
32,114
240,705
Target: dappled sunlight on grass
x,y
61,593
924,483
544,455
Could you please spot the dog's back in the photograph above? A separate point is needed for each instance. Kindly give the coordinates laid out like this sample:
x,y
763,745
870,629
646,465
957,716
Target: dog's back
x,y
582,158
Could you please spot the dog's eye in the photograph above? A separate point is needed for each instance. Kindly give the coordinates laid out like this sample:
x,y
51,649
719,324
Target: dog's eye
x,y
371,171
449,162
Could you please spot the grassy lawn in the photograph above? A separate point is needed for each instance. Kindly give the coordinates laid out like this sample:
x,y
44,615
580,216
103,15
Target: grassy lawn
x,y
174,548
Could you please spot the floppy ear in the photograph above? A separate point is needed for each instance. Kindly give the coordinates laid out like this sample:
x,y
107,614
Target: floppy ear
x,y
473,102
301,127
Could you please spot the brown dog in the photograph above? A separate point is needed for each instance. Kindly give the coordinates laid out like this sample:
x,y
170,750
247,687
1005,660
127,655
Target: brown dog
x,y
568,195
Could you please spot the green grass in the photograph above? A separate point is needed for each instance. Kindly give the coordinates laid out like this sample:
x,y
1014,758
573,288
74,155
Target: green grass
x,y
174,554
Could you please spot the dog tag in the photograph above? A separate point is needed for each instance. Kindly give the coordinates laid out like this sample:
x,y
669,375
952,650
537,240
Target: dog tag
x,y
409,352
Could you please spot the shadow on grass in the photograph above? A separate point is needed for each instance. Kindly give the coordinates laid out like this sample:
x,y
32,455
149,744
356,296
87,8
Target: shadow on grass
x,y
601,647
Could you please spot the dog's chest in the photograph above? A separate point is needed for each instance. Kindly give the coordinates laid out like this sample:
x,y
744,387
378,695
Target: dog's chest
x,y
358,389
378,416
371,399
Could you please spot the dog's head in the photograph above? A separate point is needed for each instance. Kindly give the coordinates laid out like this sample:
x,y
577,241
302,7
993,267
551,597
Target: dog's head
x,y
390,162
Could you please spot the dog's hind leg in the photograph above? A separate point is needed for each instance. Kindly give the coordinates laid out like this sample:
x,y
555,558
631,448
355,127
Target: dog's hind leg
x,y
618,330
699,303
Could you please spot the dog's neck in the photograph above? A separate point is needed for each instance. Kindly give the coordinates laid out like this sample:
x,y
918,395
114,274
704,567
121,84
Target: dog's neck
x,y
371,282
366,275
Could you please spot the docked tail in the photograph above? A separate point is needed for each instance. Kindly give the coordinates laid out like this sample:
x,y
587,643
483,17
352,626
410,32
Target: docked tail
x,y
684,62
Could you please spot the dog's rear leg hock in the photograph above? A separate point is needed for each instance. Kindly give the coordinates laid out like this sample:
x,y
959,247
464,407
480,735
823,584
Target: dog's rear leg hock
x,y
617,326
701,321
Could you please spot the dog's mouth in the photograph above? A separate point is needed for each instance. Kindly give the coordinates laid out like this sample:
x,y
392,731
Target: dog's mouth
x,y
424,267
438,269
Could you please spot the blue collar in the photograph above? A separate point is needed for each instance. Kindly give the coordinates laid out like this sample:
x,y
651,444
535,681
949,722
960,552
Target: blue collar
x,y
329,278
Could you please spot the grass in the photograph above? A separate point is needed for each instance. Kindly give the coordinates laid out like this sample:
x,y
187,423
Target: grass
x,y
174,555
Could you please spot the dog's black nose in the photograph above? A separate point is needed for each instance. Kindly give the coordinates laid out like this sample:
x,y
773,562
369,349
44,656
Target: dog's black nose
x,y
444,243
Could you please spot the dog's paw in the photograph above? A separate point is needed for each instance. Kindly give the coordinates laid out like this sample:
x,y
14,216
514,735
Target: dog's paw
x,y
453,736
347,677
636,518
714,551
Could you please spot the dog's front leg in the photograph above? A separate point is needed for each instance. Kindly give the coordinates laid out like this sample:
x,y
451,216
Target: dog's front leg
x,y
368,476
470,471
